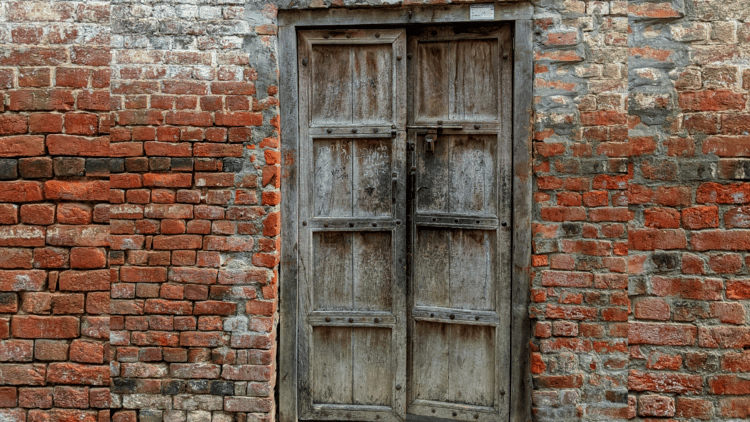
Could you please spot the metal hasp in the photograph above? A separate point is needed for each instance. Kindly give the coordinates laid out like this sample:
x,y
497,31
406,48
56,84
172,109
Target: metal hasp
x,y
431,132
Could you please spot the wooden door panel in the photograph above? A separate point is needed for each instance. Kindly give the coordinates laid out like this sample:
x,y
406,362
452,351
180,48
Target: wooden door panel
x,y
454,364
352,366
459,177
353,177
473,174
332,178
472,363
432,268
372,84
472,269
333,271
476,80
372,366
352,300
433,81
455,269
352,271
331,85
458,79
373,265
332,365
372,179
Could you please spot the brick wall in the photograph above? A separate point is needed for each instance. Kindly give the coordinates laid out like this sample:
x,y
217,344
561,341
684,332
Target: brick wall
x,y
194,208
581,149
54,284
689,240
641,268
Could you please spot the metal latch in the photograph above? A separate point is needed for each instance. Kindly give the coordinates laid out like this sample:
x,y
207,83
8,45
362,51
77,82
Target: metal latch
x,y
429,140
431,132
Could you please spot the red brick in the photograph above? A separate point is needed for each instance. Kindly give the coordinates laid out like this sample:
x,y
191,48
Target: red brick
x,y
64,235
658,360
78,146
41,99
21,146
651,239
13,415
661,334
143,274
662,218
725,263
84,281
94,100
239,118
738,289
35,397
28,280
34,77
78,214
73,373
168,307
16,350
217,150
194,370
566,279
656,405
570,312
188,118
248,404
737,193
202,339
81,124
664,382
233,88
72,77
71,397
724,337
8,397
86,351
728,146
214,179
88,258
726,240
165,149
687,288
75,190
12,124
564,214
728,313
25,374
711,101
215,308
15,258
178,180
652,308
700,217
728,384
58,327
693,408
737,407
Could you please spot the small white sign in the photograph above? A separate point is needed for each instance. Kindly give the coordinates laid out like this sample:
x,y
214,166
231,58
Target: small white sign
x,y
482,12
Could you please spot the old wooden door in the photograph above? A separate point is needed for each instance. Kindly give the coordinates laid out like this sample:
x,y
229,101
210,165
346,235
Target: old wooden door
x,y
459,304
404,255
352,306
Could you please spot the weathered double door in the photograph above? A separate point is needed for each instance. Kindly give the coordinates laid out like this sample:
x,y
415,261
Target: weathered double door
x,y
405,205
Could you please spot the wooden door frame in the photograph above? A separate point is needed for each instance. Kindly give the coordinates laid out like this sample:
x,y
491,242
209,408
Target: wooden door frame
x,y
289,21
